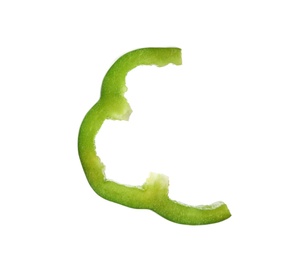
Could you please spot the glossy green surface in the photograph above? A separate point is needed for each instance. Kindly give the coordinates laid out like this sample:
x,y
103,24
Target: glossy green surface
x,y
153,194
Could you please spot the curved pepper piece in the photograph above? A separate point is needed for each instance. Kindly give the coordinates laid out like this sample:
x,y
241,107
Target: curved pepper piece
x,y
112,104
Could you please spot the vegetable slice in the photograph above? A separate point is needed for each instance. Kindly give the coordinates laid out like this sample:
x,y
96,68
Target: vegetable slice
x,y
153,194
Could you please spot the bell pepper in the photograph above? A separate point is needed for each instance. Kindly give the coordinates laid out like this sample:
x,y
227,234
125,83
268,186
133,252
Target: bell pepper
x,y
153,194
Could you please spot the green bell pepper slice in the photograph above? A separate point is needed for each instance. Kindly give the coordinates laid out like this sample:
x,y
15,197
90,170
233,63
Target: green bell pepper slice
x,y
153,194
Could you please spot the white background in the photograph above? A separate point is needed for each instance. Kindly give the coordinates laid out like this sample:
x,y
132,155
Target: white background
x,y
216,125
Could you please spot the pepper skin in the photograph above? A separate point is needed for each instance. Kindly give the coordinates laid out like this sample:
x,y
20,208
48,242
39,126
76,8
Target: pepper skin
x,y
153,194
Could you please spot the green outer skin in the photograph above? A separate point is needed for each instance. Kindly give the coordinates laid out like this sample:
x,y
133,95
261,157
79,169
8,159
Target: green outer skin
x,y
113,105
